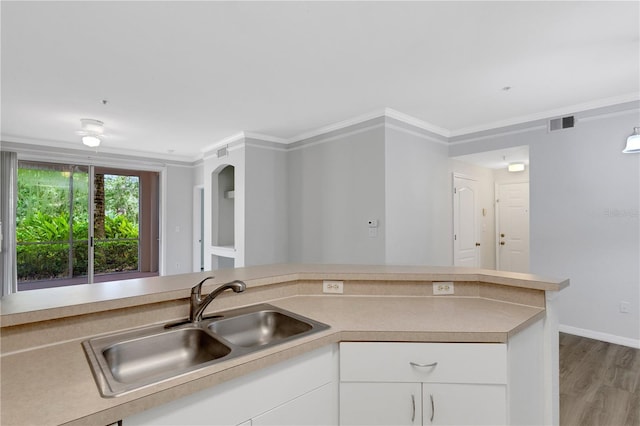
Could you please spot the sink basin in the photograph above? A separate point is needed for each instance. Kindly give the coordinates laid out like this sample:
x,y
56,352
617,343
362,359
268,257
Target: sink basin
x,y
162,354
127,361
131,360
259,328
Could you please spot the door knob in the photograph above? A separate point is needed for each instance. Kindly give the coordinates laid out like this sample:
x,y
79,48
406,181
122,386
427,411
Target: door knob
x,y
477,244
501,235
501,243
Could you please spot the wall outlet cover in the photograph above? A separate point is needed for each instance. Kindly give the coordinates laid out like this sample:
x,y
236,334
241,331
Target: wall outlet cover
x,y
332,287
443,287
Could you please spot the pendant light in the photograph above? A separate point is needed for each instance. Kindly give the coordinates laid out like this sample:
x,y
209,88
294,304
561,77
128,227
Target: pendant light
x,y
633,142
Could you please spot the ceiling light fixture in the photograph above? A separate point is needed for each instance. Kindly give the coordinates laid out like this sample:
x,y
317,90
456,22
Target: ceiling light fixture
x,y
91,132
515,167
633,142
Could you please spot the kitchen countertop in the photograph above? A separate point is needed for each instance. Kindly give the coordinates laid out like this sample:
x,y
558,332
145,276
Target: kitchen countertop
x,y
53,383
41,305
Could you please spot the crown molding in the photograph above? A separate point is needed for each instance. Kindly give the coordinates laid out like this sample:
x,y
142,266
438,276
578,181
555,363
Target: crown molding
x,y
458,135
569,109
222,142
337,126
416,134
265,138
40,147
416,122
385,112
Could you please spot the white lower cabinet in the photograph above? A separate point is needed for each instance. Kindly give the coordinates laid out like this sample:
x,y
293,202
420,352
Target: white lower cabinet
x,y
421,404
315,408
464,404
379,383
440,383
298,391
380,404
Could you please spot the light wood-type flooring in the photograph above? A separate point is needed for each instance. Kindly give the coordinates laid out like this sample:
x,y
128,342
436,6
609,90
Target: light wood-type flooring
x,y
599,383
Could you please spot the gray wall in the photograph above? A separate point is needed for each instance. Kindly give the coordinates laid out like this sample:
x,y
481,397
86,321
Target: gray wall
x,y
178,220
418,200
585,196
266,205
336,184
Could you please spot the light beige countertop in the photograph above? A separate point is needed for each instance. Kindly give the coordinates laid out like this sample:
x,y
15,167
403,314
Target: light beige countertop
x,y
46,378
40,305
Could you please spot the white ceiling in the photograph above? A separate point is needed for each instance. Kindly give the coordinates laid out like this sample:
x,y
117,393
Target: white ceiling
x,y
181,76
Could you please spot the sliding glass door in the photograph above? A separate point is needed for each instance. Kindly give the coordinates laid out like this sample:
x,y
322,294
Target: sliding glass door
x,y
84,224
116,225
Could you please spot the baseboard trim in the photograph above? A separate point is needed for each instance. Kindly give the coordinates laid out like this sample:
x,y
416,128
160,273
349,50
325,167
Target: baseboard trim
x,y
597,335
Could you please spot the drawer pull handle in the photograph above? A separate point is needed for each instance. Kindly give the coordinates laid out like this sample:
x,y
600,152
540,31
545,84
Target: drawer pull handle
x,y
413,404
433,408
415,364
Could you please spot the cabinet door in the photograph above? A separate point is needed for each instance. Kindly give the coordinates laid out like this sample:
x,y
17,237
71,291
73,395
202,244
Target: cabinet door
x,y
380,404
463,404
318,407
245,397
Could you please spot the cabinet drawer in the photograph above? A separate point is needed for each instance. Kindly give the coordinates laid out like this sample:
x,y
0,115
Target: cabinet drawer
x,y
432,362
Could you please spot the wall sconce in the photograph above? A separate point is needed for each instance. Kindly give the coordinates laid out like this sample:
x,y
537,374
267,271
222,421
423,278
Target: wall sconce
x,y
91,132
515,167
633,142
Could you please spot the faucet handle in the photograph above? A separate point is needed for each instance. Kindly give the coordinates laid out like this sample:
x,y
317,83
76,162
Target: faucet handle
x,y
197,289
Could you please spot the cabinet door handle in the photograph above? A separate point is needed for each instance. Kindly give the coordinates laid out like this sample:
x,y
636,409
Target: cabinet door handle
x,y
415,364
433,407
413,412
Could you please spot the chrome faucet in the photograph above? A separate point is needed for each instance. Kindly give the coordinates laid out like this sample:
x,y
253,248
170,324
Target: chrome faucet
x,y
199,304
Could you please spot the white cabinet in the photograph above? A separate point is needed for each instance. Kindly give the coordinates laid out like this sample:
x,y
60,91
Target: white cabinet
x,y
284,393
423,384
451,383
464,404
380,404
379,384
371,403
316,408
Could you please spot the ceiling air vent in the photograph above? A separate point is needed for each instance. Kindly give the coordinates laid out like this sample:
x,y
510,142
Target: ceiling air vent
x,y
562,123
223,152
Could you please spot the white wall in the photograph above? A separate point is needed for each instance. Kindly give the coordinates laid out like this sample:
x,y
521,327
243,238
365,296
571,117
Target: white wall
x,y
585,197
486,200
211,166
418,200
336,183
504,176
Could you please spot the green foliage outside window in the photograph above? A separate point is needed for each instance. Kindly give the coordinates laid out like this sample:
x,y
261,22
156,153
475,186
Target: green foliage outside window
x,y
44,226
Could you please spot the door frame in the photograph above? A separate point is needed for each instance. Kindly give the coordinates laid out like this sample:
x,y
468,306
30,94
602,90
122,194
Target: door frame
x,y
198,228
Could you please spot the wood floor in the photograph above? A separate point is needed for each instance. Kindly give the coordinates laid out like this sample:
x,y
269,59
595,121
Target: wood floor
x,y
599,383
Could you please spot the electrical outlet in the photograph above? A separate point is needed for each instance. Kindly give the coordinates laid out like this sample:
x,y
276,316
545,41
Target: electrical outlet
x,y
624,307
332,286
443,287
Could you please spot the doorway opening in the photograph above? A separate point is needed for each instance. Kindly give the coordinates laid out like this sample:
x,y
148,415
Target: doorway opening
x,y
493,210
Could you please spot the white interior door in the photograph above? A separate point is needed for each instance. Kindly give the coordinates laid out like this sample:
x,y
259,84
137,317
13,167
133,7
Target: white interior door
x,y
466,240
512,201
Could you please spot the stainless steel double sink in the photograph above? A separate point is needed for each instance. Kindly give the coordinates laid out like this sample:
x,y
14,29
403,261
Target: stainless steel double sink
x,y
127,361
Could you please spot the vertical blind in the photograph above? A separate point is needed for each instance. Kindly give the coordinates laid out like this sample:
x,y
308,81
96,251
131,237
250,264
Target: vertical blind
x,y
8,202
